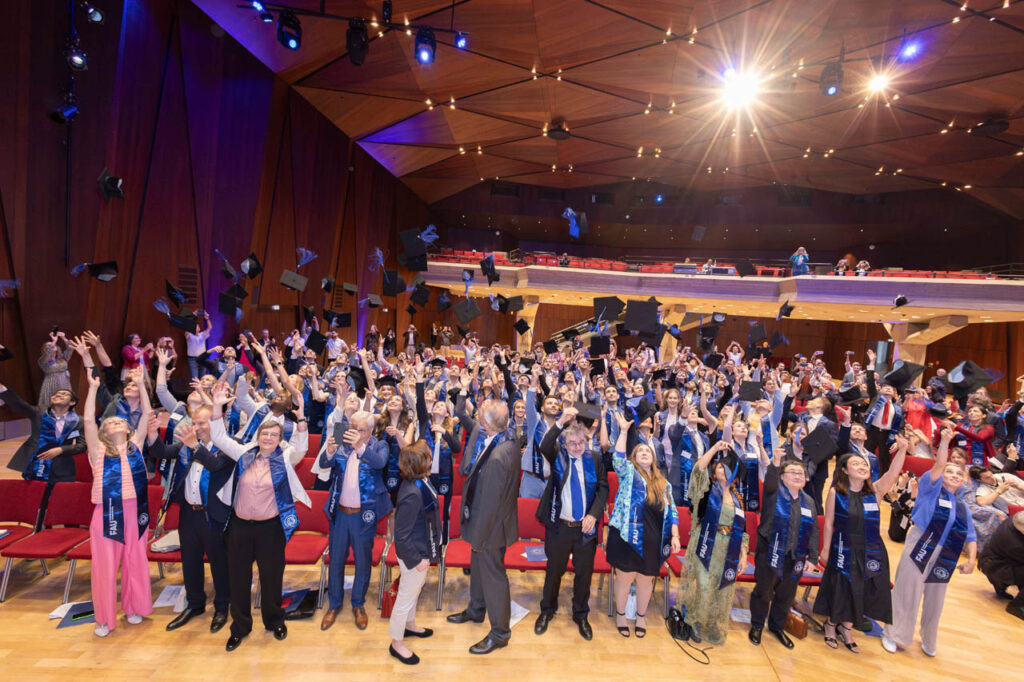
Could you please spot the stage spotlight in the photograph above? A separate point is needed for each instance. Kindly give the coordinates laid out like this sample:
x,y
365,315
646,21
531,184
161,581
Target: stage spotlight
x,y
289,30
739,89
65,112
385,14
659,198
908,51
878,83
75,57
831,79
461,41
425,46
357,41
93,14
110,186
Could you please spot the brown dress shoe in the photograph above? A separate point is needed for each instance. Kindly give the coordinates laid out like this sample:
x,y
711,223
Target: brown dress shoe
x,y
328,620
360,614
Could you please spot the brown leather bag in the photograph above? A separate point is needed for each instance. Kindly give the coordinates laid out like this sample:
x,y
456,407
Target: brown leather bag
x,y
796,625
388,602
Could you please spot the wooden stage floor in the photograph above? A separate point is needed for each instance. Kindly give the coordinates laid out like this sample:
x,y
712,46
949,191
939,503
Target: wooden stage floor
x,y
976,641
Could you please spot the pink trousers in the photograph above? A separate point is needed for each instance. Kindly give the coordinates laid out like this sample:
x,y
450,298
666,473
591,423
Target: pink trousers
x,y
130,556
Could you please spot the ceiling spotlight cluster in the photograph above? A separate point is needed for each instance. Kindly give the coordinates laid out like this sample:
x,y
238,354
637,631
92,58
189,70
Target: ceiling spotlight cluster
x,y
739,88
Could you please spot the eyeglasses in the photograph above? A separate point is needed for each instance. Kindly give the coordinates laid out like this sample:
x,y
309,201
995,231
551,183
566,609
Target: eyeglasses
x,y
575,443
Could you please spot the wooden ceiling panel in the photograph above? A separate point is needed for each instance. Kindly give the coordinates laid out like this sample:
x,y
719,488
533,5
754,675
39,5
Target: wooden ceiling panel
x,y
852,127
434,189
358,115
444,126
402,159
657,130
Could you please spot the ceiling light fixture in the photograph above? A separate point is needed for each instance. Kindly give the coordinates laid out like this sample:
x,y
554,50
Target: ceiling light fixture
x,y
739,89
426,46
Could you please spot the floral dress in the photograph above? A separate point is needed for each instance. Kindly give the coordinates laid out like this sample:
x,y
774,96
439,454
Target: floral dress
x,y
986,518
55,376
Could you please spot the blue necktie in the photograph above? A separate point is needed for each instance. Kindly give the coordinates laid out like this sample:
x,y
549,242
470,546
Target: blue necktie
x,y
576,493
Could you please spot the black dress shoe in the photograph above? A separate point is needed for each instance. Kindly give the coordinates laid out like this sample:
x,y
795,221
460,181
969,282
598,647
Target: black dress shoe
x,y
586,632
280,632
541,626
411,660
755,634
463,617
184,617
220,619
1015,610
233,642
427,632
782,637
487,645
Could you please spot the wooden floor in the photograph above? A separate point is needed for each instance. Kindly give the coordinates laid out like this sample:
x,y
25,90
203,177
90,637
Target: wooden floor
x,y
976,641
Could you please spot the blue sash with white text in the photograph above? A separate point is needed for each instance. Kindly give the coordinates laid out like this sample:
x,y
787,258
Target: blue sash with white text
x,y
589,488
39,469
780,532
841,554
709,532
282,490
113,504
944,565
367,489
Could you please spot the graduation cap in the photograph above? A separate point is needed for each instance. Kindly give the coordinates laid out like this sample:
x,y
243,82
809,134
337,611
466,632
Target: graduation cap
x,y
443,302
750,391
487,267
550,346
104,271
757,334
5,353
642,316
176,295
411,309
600,345
644,410
706,336
968,377
819,445
467,310
850,396
598,366
714,360
463,330
420,295
356,380
374,301
570,333
899,301
228,269
608,307
350,289
227,304
654,338
316,342
414,263
417,280
675,332
526,365
414,250
294,281
515,304
521,326
902,375
393,283
587,413
386,380
777,340
438,362
336,319
308,313
251,266
718,318
744,268
238,291
938,410
185,321
327,284
655,301
785,310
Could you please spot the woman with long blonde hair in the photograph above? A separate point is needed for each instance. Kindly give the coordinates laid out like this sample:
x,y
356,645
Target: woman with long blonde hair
x,y
643,530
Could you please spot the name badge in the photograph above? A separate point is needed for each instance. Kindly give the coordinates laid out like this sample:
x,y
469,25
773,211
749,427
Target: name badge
x,y
870,506
945,503
806,512
177,417
740,513
752,455
73,434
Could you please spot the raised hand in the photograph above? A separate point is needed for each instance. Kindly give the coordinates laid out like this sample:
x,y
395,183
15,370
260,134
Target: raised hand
x,y
187,435
221,395
79,346
163,357
90,338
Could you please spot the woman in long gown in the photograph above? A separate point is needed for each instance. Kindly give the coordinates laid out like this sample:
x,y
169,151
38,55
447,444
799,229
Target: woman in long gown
x,y
54,364
717,553
856,579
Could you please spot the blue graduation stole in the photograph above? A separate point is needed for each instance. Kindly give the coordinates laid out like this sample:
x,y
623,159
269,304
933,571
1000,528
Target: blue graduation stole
x,y
113,505
536,458
444,465
469,488
393,478
180,471
748,485
944,565
39,469
589,488
478,447
124,411
256,420
180,411
282,491
841,545
780,531
234,420
976,448
709,531
875,409
766,433
367,488
635,519
612,424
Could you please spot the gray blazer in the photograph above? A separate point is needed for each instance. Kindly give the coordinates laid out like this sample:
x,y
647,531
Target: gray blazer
x,y
473,432
492,523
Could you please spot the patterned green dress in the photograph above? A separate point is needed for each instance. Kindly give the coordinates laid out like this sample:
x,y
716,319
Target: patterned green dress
x,y
707,607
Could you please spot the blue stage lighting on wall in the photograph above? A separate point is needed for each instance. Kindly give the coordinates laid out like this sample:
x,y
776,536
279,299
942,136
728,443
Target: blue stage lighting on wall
x,y
425,46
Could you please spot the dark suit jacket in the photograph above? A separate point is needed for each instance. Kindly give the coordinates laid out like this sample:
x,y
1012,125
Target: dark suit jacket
x,y
550,448
62,467
220,467
473,432
414,527
492,522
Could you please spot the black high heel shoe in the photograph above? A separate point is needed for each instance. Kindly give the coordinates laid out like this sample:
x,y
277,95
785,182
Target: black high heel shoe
x,y
831,641
844,631
639,631
623,629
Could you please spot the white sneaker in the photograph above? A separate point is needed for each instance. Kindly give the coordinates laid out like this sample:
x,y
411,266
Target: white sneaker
x,y
134,619
927,651
101,631
889,644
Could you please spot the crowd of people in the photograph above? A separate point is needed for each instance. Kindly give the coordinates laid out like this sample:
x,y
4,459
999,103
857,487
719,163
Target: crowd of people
x,y
700,437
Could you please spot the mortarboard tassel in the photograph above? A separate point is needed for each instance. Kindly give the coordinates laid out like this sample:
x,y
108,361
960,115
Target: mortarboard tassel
x,y
305,256
79,269
466,279
7,286
494,302
574,228
429,235
162,305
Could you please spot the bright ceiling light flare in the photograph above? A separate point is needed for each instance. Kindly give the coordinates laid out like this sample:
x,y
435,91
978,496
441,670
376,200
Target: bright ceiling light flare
x,y
739,88
878,83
